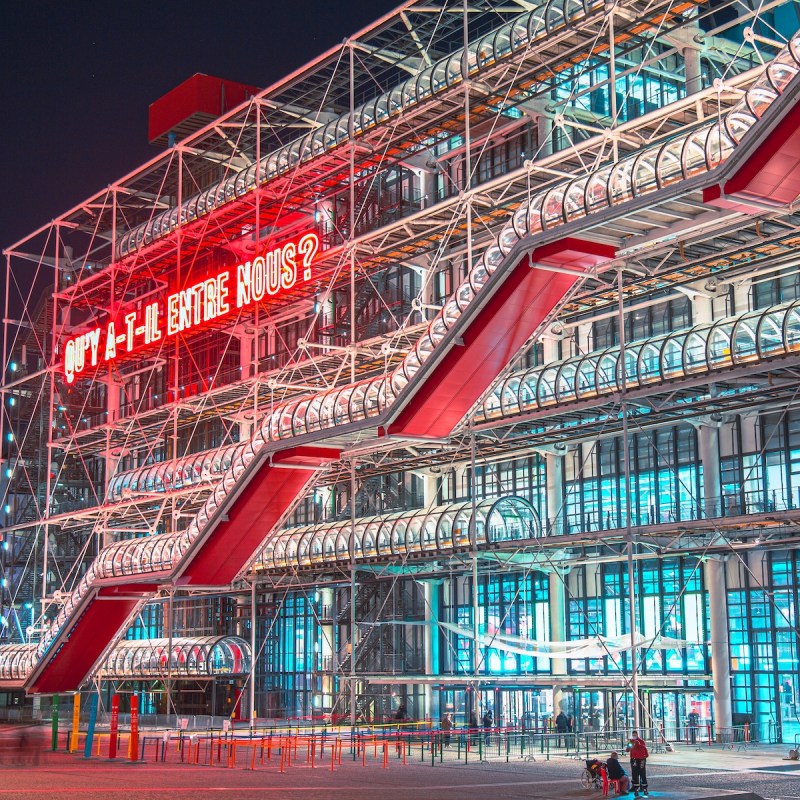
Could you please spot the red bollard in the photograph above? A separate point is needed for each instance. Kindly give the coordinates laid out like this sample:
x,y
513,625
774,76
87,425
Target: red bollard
x,y
133,747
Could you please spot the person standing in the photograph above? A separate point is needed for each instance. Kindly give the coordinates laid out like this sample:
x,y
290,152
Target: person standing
x,y
570,730
488,721
787,695
694,723
473,726
562,726
637,750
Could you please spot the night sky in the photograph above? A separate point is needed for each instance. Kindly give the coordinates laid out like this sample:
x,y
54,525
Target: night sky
x,y
78,77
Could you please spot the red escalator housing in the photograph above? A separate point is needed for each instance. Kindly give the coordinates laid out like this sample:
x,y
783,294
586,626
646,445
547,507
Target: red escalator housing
x,y
770,175
72,659
265,499
495,336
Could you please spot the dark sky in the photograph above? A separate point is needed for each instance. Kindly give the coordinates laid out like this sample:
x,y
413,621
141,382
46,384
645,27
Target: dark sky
x,y
78,76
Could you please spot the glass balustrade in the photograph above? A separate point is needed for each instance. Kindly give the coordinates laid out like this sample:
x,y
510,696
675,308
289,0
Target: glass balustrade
x,y
404,533
702,349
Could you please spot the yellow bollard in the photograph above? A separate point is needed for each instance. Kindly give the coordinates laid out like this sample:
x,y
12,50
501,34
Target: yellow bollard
x,y
76,723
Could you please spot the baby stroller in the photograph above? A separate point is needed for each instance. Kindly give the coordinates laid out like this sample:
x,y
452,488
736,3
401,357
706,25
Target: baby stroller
x,y
592,777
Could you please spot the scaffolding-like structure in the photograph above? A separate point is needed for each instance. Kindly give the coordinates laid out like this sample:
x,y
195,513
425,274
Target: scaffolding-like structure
x,y
287,276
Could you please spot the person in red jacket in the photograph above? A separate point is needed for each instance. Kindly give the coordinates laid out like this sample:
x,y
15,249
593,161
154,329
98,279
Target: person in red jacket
x,y
637,750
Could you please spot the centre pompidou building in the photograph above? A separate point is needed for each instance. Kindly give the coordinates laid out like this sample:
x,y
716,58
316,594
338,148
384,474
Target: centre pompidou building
x,y
456,371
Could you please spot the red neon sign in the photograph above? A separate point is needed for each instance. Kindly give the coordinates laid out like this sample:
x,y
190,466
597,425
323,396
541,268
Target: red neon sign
x,y
269,275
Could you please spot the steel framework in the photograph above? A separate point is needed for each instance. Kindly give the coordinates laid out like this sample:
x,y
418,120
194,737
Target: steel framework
x,y
444,152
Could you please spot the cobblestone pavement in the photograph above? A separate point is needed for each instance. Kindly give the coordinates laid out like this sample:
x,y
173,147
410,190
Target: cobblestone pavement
x,y
687,774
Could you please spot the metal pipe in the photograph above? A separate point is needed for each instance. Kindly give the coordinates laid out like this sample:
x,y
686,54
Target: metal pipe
x,y
627,477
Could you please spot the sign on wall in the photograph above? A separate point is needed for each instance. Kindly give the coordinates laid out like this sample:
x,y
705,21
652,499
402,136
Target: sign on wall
x,y
277,271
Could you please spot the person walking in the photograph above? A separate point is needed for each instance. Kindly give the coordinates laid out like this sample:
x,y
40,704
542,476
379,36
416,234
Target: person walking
x,y
446,726
637,750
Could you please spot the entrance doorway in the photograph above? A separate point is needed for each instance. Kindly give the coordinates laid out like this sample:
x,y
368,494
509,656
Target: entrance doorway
x,y
526,709
682,715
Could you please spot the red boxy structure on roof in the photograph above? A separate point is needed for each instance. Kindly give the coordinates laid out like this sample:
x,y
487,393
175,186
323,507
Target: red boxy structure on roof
x,y
192,104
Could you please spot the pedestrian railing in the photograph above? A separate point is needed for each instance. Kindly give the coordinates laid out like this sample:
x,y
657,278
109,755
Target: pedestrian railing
x,y
314,746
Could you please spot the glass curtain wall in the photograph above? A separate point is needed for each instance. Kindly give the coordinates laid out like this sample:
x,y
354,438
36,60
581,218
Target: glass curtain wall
x,y
522,477
665,477
515,604
290,677
763,612
760,465
671,602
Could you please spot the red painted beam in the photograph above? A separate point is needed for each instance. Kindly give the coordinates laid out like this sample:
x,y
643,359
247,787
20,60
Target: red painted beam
x,y
270,493
73,658
771,174
495,336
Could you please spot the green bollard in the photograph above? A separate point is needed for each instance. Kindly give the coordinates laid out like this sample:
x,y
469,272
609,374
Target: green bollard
x,y
56,703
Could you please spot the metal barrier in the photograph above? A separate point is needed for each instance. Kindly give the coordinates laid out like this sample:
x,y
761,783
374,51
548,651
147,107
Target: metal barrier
x,y
739,735
314,746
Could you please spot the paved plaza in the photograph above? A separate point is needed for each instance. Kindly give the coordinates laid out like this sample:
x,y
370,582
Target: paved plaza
x,y
683,775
